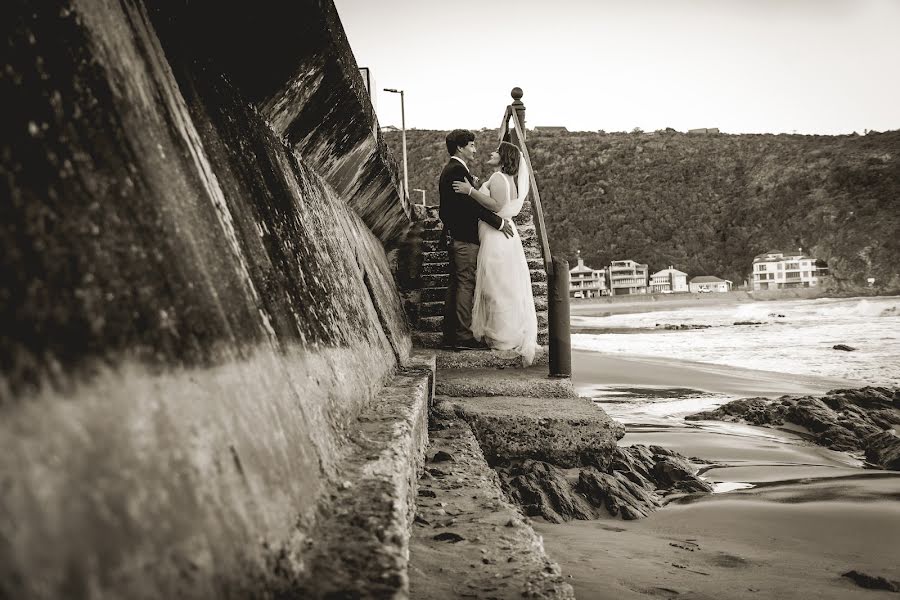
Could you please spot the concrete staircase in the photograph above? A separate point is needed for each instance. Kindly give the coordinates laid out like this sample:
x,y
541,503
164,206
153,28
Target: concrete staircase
x,y
468,539
428,319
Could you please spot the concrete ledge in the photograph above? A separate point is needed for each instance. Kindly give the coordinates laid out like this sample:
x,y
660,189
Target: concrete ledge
x,y
468,540
568,432
360,547
532,382
480,359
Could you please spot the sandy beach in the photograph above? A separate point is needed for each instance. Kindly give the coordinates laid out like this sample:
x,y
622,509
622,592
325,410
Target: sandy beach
x,y
788,519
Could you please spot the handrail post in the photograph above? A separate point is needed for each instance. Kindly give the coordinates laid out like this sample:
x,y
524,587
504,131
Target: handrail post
x,y
560,350
557,269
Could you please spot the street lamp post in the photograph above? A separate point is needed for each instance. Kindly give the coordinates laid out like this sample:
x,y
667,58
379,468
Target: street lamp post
x,y
423,194
403,130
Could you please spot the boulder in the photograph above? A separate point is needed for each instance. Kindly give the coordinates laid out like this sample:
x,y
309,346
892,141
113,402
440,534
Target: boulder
x,y
756,411
849,420
542,489
883,448
630,487
617,494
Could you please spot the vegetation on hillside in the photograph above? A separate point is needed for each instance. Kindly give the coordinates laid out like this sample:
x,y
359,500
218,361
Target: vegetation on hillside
x,y
706,203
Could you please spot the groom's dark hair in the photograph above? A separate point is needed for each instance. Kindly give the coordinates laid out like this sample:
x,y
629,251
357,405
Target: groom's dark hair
x,y
457,139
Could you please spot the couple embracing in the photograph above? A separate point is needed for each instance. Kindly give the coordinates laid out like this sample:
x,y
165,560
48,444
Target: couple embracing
x,y
489,300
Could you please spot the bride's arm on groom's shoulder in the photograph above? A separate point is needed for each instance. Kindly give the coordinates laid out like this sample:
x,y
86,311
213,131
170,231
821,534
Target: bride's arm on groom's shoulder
x,y
496,187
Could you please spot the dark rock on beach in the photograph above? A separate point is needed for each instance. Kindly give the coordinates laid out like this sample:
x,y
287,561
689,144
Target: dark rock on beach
x,y
631,487
872,582
884,449
845,420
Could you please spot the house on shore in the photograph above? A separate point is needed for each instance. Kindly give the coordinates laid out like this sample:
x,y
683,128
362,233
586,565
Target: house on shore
x,y
704,130
585,282
627,277
669,280
709,283
550,129
777,270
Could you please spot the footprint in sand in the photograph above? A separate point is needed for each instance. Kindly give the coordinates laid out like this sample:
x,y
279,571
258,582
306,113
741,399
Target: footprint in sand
x,y
729,561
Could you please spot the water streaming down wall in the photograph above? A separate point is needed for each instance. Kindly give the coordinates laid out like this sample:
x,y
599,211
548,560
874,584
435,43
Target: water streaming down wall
x,y
192,312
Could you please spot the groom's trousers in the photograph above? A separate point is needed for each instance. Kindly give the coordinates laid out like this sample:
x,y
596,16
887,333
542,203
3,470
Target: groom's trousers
x,y
460,292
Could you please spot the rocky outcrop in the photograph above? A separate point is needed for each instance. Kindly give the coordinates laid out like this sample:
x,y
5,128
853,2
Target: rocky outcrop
x,y
558,458
631,486
848,420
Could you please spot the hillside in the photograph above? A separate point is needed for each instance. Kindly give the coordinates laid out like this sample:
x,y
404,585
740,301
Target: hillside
x,y
706,204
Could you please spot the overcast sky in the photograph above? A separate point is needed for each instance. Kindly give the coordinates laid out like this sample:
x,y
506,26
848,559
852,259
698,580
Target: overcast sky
x,y
744,66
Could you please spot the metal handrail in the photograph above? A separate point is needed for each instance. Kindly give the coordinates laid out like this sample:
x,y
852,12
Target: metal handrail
x,y
534,194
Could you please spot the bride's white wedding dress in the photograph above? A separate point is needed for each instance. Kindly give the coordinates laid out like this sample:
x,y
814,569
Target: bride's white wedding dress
x,y
503,314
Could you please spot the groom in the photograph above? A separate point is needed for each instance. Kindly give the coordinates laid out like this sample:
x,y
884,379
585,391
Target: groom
x,y
460,215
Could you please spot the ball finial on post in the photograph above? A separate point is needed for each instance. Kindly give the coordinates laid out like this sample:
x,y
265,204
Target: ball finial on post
x,y
519,107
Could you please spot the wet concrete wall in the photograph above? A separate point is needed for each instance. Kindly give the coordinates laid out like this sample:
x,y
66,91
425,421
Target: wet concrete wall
x,y
293,61
191,311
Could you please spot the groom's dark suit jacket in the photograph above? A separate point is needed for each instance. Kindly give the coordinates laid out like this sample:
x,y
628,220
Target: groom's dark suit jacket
x,y
459,212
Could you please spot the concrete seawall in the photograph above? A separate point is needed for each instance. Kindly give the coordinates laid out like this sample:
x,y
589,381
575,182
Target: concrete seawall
x,y
193,312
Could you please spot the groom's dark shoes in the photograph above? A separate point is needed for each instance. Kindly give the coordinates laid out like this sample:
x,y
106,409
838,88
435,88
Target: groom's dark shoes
x,y
471,345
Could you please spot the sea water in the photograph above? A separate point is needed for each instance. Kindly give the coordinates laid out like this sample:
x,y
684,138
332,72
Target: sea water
x,y
792,336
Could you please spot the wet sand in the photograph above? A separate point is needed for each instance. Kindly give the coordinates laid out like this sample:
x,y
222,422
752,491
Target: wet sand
x,y
810,515
596,371
738,545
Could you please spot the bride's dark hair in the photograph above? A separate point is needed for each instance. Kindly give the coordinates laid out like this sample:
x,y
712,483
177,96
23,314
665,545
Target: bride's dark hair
x,y
509,158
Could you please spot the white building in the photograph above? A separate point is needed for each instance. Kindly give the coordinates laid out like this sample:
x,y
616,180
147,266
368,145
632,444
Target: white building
x,y
777,270
669,280
585,282
708,283
627,277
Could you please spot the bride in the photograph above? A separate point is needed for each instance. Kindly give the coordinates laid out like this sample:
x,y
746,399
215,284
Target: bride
x,y
503,314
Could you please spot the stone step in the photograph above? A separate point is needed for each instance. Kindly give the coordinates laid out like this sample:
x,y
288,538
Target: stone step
x,y
567,432
468,541
432,234
435,281
442,268
485,359
434,323
531,382
432,245
435,294
439,256
433,339
436,307
371,498
436,268
532,251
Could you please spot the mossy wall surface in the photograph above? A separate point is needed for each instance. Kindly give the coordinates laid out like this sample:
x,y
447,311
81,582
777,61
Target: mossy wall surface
x,y
192,312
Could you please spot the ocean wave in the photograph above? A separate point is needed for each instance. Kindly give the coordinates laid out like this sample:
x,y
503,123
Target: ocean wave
x,y
799,343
